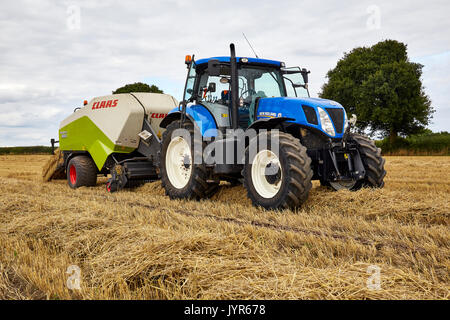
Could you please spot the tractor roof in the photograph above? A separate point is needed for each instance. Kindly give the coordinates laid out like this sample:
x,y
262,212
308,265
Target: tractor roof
x,y
250,61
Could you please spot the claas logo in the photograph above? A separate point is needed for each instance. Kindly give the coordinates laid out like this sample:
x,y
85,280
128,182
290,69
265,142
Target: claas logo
x,y
158,115
105,104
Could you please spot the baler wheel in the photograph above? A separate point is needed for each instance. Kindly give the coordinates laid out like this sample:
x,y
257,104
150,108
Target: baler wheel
x,y
81,171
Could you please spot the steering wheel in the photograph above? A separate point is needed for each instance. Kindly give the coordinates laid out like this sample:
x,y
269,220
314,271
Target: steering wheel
x,y
252,92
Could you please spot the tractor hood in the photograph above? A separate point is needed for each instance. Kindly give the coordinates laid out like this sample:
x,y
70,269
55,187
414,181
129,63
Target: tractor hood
x,y
308,112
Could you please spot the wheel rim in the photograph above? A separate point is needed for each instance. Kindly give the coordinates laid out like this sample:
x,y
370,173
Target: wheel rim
x,y
73,174
178,162
343,185
267,174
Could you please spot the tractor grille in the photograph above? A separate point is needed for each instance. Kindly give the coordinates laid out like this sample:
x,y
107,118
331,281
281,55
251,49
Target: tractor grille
x,y
337,116
310,114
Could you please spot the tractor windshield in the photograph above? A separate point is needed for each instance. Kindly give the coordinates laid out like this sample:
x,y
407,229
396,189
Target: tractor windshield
x,y
260,81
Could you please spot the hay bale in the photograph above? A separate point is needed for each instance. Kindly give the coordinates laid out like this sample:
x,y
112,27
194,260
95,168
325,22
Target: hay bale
x,y
54,168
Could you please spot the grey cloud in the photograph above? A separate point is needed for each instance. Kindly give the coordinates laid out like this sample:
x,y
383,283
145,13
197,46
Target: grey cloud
x,y
46,69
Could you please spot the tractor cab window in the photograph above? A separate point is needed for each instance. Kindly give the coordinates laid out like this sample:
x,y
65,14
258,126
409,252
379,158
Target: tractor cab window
x,y
268,85
214,93
257,82
290,90
214,89
292,82
190,81
260,81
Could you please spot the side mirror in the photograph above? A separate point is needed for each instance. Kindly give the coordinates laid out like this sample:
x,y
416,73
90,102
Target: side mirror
x,y
214,68
212,87
353,119
305,75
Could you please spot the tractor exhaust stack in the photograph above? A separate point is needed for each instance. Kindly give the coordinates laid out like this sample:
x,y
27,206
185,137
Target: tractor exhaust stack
x,y
234,89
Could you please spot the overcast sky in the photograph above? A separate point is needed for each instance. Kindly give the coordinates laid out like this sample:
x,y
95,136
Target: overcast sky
x,y
55,54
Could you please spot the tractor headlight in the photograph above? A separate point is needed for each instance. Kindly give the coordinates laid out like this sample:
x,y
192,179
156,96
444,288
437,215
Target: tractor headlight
x,y
326,123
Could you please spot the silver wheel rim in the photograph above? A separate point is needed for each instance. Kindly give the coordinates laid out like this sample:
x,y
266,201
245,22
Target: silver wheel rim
x,y
178,162
343,185
259,166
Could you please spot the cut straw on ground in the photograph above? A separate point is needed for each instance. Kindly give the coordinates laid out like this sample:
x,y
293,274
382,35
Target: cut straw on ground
x,y
139,244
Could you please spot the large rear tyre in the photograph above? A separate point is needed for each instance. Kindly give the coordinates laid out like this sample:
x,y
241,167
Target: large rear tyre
x,y
372,160
81,172
181,176
277,179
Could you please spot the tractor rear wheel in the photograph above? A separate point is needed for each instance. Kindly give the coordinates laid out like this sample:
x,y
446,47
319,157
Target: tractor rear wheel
x,y
372,160
81,172
373,164
279,175
181,176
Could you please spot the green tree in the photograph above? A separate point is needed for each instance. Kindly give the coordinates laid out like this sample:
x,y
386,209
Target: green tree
x,y
382,87
138,87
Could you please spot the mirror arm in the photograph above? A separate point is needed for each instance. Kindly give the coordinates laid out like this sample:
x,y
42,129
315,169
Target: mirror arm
x,y
291,71
293,85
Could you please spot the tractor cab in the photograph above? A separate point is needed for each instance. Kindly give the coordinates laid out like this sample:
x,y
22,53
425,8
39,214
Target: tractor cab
x,y
209,84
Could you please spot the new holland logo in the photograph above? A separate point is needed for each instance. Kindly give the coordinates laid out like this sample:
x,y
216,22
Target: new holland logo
x,y
270,115
105,104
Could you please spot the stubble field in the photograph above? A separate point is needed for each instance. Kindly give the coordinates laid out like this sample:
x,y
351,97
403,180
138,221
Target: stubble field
x,y
138,244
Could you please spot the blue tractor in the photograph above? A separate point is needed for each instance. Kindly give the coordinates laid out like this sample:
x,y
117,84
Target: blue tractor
x,y
288,138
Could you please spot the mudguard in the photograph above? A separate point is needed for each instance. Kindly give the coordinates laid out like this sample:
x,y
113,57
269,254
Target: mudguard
x,y
200,117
